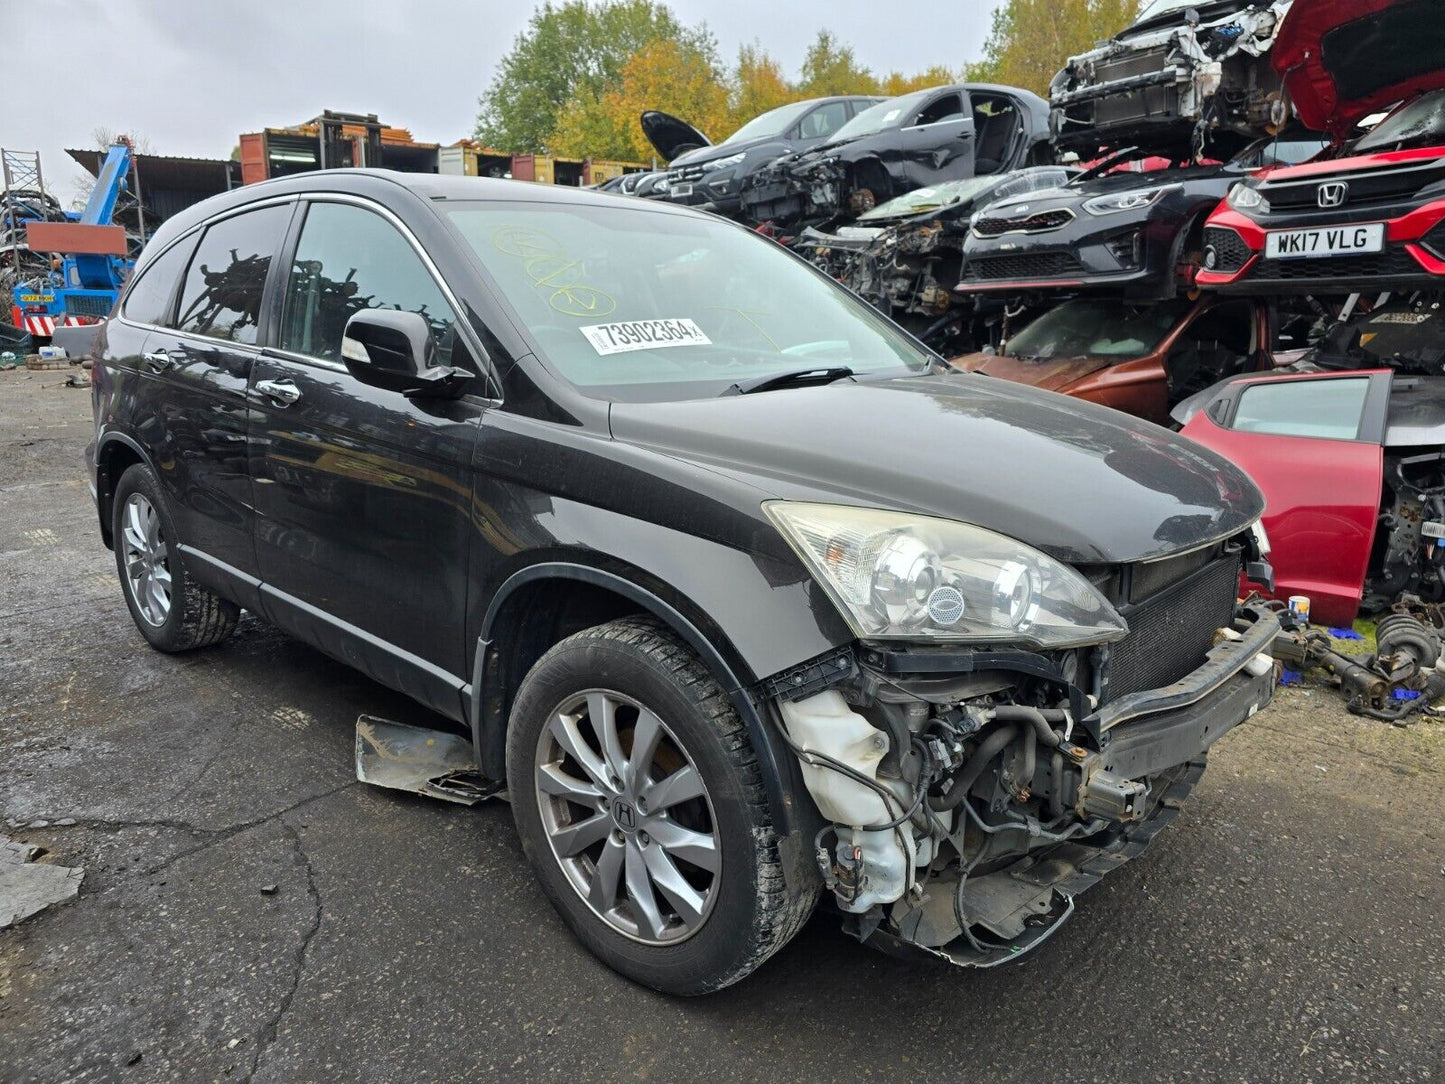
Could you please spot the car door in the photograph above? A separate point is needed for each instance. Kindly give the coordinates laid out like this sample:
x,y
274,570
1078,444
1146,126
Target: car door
x,y
202,355
1314,445
937,144
363,511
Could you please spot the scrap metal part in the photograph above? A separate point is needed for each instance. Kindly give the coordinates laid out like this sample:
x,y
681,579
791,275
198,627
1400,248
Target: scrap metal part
x,y
418,760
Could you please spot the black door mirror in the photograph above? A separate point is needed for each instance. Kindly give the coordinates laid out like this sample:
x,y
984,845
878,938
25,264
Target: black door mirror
x,y
395,350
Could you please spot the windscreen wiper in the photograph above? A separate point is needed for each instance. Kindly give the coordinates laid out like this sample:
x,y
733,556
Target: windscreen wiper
x,y
816,375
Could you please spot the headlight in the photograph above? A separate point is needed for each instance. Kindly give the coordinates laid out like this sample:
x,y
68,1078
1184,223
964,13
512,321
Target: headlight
x,y
897,576
1243,197
1126,201
723,163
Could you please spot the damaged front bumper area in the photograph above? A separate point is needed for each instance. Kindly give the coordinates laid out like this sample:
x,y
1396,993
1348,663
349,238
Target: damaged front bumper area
x,y
1177,88
796,192
968,796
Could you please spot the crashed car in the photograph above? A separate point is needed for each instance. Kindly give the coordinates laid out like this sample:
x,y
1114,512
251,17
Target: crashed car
x,y
701,174
1371,214
614,487
1139,358
905,256
1110,228
1349,450
1186,77
916,140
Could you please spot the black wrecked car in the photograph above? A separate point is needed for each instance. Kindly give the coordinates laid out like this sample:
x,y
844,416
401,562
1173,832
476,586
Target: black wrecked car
x,y
628,495
704,174
1139,234
923,138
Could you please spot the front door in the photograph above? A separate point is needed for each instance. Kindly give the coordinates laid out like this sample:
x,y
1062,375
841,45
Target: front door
x,y
363,496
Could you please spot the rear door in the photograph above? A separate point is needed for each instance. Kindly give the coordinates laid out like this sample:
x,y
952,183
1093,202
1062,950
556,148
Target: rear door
x,y
203,357
1314,445
363,496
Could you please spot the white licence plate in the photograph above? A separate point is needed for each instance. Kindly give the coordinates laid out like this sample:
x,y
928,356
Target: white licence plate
x,y
1325,241
680,190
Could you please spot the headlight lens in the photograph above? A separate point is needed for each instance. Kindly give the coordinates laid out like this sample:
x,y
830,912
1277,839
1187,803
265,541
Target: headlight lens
x,y
723,163
1243,197
900,576
1126,201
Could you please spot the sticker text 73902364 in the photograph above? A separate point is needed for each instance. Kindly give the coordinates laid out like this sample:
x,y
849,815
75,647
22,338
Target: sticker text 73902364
x,y
627,335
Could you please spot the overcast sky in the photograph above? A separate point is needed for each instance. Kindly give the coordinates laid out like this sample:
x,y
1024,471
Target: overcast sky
x,y
191,75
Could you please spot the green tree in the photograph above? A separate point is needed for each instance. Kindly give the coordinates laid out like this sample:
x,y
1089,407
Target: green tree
x,y
1031,39
830,67
756,86
573,51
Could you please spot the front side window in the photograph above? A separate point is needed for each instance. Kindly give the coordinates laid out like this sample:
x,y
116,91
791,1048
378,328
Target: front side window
x,y
148,301
947,108
645,304
1330,409
221,297
349,259
823,121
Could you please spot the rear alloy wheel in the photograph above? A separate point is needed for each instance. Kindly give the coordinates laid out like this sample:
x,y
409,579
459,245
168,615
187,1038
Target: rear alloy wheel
x,y
172,611
641,807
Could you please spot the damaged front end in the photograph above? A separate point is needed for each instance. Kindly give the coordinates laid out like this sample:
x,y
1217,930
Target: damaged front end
x,y
1180,84
970,792
802,190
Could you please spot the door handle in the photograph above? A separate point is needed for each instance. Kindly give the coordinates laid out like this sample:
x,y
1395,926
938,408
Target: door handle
x,y
159,361
282,392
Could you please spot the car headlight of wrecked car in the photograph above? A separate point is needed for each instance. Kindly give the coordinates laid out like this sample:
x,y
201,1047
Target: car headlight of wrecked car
x,y
901,576
1244,197
724,163
1126,201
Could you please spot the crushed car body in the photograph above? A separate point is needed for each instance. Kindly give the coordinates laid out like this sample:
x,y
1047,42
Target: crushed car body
x,y
1369,215
1349,449
1185,77
905,256
901,144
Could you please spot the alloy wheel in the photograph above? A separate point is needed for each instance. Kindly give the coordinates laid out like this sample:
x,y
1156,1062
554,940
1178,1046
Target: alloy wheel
x,y
628,817
147,559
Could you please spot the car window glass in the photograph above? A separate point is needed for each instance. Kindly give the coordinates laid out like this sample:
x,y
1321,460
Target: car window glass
x,y
657,305
221,297
349,259
1304,408
148,300
948,107
823,121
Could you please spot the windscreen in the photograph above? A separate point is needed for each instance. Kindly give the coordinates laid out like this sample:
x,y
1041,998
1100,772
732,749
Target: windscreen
x,y
644,304
1096,329
1421,123
886,114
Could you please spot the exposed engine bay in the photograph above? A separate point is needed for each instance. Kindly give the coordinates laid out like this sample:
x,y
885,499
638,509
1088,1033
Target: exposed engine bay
x,y
1182,81
969,796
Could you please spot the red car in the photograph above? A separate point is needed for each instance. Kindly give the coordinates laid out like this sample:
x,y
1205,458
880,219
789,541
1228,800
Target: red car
x,y
1369,215
1351,460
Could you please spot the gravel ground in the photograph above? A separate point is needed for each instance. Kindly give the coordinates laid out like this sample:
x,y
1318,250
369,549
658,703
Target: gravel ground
x,y
1287,927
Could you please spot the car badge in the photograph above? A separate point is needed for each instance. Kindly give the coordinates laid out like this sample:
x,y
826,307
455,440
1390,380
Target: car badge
x,y
1020,211
1333,194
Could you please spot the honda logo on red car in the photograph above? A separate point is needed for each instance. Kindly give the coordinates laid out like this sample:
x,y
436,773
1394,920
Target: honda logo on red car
x,y
1333,194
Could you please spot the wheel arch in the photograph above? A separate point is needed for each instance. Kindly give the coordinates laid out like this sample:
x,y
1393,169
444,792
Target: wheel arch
x,y
114,455
542,604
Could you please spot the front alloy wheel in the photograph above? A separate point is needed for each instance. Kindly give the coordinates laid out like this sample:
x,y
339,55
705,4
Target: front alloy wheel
x,y
628,817
641,806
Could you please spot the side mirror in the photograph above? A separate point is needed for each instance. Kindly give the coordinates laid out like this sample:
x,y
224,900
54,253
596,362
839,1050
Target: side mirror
x,y
395,350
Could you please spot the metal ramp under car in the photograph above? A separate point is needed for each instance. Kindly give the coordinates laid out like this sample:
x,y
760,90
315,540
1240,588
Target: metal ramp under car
x,y
419,760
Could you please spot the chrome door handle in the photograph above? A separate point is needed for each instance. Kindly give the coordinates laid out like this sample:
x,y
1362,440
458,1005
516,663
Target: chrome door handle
x,y
159,360
279,391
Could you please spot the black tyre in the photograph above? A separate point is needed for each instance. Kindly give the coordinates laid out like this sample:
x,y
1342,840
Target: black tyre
x,y
172,611
641,808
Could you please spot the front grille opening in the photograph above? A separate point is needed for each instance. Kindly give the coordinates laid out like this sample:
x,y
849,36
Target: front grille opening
x,y
1228,249
1040,265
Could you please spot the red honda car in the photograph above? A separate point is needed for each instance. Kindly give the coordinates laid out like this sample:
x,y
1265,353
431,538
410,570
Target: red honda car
x,y
1370,214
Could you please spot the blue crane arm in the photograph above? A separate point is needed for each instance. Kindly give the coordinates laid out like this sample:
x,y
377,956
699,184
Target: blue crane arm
x,y
108,185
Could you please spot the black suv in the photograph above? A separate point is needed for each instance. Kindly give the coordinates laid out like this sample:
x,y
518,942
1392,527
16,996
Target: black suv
x,y
629,494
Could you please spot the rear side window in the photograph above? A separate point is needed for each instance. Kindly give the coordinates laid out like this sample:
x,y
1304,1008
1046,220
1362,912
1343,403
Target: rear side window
x,y
221,298
349,259
1331,409
148,301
